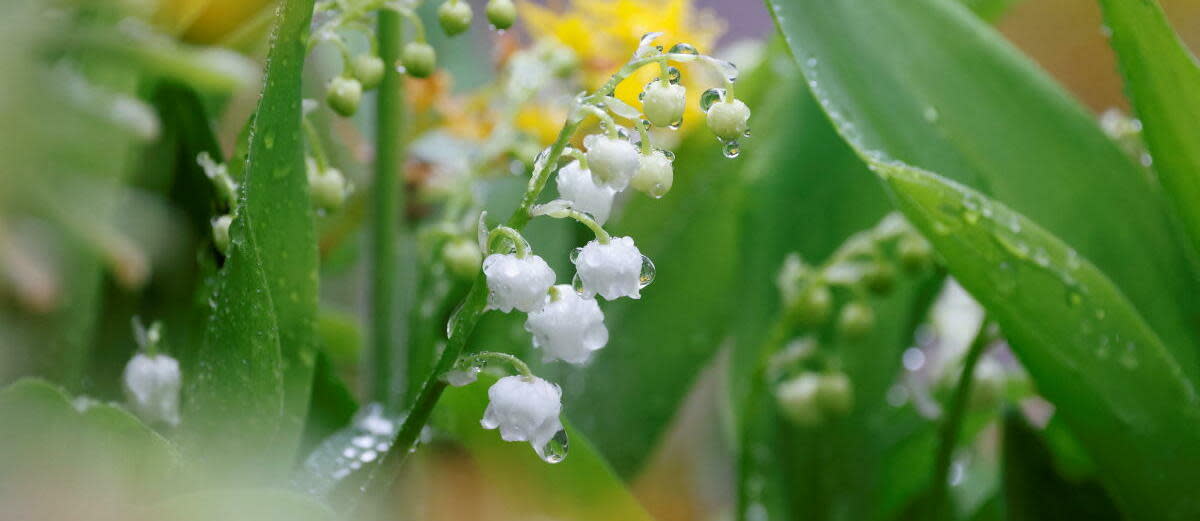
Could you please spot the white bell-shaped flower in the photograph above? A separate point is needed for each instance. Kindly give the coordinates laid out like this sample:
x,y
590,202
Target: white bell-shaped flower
x,y
524,409
515,282
576,185
569,327
613,270
613,161
152,387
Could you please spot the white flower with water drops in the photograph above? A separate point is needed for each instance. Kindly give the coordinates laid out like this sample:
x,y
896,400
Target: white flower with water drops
x,y
612,270
516,282
151,383
613,161
569,327
576,185
524,408
655,174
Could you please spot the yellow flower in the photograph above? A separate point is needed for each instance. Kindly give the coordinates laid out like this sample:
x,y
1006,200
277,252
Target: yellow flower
x,y
604,34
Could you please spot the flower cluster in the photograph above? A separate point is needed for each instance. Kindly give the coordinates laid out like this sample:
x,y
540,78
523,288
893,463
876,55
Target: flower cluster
x,y
565,321
810,388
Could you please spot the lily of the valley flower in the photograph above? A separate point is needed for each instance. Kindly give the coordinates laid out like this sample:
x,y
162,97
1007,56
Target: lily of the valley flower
x,y
613,161
655,174
515,282
576,185
151,385
612,270
524,408
569,327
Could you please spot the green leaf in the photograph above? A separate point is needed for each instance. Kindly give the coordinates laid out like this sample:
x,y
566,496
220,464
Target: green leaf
x,y
240,505
248,388
1123,394
47,437
582,487
1163,83
927,83
1034,489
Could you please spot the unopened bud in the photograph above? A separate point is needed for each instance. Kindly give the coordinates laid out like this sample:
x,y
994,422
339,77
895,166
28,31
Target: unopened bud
x,y
916,254
501,13
835,394
462,258
328,189
880,278
797,399
729,120
856,320
419,59
220,233
655,174
663,103
814,305
454,17
368,68
343,95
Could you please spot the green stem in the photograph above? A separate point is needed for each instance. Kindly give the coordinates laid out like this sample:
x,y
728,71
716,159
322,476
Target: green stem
x,y
386,202
314,144
951,426
513,235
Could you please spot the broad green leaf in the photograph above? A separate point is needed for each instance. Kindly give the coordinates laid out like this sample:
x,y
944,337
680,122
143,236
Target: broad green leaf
x,y
1163,83
1122,393
582,487
1034,489
928,83
48,438
254,373
240,505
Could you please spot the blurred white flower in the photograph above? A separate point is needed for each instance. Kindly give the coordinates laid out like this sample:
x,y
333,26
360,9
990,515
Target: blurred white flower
x,y
569,327
152,387
576,185
613,270
515,282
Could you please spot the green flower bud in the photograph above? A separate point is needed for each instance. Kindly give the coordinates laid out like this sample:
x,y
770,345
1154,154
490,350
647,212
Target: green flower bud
x,y
220,232
454,17
328,189
880,278
663,104
729,120
562,60
462,258
797,399
655,174
835,395
343,95
814,305
419,59
368,68
916,254
856,320
501,13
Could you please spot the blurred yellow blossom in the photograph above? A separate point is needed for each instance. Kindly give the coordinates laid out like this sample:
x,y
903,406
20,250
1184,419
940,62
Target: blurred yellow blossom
x,y
604,46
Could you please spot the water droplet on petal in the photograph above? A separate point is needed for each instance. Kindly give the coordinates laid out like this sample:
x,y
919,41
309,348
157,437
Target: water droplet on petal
x,y
647,274
555,450
711,96
732,149
683,48
673,75
577,284
574,255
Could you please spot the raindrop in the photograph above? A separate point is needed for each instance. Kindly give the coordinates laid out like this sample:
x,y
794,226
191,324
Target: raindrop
x,y
746,133
711,96
575,254
269,140
647,274
673,75
369,456
1074,298
577,283
400,69
1146,159
811,62
732,149
684,48
668,154
646,124
623,133
555,450
675,125
913,359
642,96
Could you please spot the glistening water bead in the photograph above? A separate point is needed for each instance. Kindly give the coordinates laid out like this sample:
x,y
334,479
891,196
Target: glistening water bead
x,y
711,96
555,450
